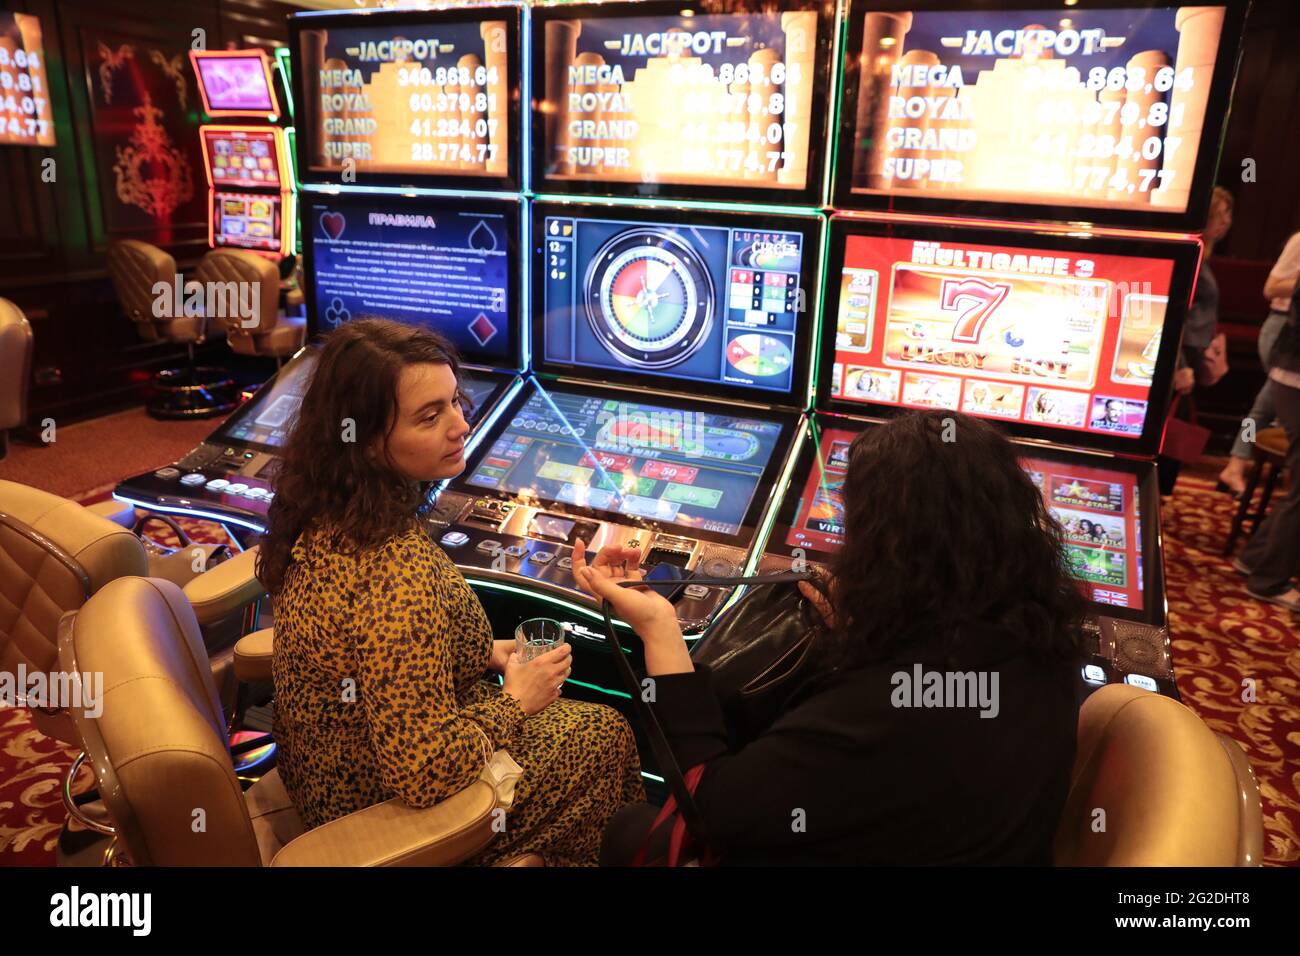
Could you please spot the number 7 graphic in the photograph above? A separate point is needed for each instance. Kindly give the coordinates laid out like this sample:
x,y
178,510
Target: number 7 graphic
x,y
983,298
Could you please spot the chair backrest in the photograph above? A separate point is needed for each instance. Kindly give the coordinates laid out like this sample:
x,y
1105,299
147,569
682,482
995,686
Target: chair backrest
x,y
136,268
15,364
256,285
54,554
156,738
1152,786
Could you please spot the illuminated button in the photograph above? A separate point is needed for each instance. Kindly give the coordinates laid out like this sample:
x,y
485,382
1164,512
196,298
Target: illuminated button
x,y
489,546
1094,674
229,451
565,562
238,488
454,539
194,479
167,474
516,551
696,591
634,542
542,557
248,454
269,496
216,484
254,493
1141,680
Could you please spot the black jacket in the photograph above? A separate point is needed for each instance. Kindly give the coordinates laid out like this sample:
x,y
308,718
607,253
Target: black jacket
x,y
848,777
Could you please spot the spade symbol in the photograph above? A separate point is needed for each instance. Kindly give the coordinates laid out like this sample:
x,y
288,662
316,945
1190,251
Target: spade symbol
x,y
482,238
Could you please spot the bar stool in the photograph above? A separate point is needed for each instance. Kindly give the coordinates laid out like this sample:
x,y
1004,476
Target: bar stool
x,y
1271,448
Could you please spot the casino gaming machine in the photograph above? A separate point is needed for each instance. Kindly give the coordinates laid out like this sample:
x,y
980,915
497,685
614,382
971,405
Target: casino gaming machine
x,y
1068,341
251,187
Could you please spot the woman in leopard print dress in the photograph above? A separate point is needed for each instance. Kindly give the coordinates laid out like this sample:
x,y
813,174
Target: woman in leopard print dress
x,y
381,647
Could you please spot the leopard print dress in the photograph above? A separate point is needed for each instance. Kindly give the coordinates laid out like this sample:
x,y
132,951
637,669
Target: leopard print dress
x,y
379,671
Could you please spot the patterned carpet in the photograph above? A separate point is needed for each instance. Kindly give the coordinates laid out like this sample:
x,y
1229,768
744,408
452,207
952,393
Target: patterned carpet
x,y
1221,638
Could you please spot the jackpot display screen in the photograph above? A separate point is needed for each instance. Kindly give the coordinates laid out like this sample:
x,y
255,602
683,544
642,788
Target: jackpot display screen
x,y
244,157
1099,510
398,97
674,466
1064,338
679,102
1111,113
235,82
26,117
449,265
247,220
713,302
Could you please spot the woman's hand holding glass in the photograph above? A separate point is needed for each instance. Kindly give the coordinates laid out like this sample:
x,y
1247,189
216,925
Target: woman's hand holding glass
x,y
536,684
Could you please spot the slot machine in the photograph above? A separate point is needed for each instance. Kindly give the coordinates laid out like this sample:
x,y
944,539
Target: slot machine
x,y
1067,340
676,240
251,185
1108,160
411,204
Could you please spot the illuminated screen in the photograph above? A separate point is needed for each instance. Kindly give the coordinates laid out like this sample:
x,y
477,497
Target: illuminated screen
x,y
1061,340
25,112
691,302
1097,508
242,157
246,220
678,466
235,82
1106,109
268,418
414,98
443,265
717,99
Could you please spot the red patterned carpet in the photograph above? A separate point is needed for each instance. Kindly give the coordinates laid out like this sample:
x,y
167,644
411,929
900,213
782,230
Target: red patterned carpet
x,y
1221,639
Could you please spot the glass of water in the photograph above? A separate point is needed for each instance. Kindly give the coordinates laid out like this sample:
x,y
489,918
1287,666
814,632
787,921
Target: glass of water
x,y
536,636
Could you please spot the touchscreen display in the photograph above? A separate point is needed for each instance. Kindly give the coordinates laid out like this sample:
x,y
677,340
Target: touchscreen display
x,y
677,466
696,302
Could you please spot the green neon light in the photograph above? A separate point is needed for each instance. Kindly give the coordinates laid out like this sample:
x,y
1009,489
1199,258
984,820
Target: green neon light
x,y
836,93
282,64
599,689
818,342
546,598
681,204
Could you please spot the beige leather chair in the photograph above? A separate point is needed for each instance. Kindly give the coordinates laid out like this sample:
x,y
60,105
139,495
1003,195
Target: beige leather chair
x,y
159,749
136,269
269,333
15,370
55,554
1173,792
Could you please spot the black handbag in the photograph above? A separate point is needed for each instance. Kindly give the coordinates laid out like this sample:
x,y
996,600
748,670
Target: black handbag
x,y
759,653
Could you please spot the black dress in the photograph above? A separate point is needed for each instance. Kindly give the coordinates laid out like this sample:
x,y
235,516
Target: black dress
x,y
850,776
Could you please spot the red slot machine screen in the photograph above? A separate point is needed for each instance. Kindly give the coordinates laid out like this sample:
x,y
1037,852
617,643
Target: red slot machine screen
x,y
1061,340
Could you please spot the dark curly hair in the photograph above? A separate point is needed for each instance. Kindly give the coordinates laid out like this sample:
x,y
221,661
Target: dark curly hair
x,y
943,529
324,478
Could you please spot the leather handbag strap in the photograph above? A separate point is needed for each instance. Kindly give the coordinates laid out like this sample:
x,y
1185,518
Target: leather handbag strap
x,y
659,745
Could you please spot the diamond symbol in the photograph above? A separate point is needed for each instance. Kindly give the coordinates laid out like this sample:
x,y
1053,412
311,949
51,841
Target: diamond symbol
x,y
482,329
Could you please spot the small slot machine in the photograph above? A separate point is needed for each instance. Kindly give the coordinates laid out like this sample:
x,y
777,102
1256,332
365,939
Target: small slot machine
x,y
251,187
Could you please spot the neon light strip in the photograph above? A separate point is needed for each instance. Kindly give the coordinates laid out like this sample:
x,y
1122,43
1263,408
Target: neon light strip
x,y
410,192
733,207
782,486
210,515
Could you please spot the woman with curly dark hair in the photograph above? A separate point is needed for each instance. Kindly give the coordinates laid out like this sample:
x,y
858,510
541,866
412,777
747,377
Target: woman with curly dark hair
x,y
380,645
941,726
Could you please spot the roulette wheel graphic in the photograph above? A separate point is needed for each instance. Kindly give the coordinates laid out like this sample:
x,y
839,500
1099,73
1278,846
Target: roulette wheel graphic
x,y
649,298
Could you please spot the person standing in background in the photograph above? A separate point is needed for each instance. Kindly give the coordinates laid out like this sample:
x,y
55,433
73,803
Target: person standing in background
x,y
1279,287
1202,322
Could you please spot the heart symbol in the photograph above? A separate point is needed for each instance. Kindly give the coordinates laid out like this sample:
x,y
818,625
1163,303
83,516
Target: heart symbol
x,y
332,223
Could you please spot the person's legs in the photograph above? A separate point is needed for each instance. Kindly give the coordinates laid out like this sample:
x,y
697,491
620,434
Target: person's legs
x,y
627,831
1261,411
1273,553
